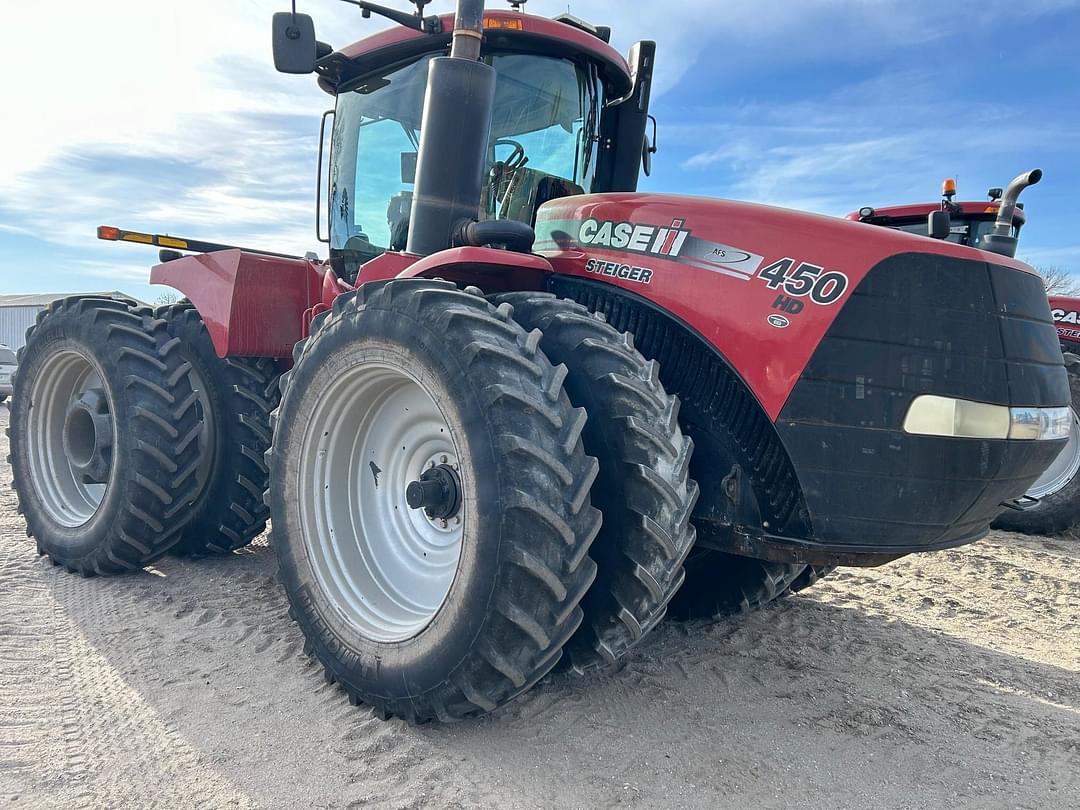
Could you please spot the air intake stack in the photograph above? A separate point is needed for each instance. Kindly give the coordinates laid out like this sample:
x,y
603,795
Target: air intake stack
x,y
454,137
1001,239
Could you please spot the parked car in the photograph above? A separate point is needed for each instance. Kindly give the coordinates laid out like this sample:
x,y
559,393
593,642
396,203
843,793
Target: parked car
x,y
7,371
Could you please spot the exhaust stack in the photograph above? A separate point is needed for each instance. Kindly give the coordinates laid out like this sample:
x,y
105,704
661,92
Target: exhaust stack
x,y
1001,240
454,136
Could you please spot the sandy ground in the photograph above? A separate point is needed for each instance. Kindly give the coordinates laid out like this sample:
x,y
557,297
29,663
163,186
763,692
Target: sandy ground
x,y
949,680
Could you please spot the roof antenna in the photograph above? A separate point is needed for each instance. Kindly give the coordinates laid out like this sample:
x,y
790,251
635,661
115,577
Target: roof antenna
x,y
517,5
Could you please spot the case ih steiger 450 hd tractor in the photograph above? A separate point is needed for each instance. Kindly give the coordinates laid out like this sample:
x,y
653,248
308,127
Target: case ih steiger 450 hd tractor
x,y
1052,504
524,407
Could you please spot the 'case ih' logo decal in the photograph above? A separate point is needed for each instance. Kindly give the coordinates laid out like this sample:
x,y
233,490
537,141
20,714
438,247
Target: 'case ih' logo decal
x,y
636,238
1066,316
674,242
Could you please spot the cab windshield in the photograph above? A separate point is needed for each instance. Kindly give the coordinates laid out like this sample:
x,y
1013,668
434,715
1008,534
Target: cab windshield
x,y
542,146
962,231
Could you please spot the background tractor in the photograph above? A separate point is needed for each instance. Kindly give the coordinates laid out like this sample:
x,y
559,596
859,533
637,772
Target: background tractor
x,y
1052,503
524,407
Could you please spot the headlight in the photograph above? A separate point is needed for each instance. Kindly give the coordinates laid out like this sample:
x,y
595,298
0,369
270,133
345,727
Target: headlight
x,y
931,415
1040,423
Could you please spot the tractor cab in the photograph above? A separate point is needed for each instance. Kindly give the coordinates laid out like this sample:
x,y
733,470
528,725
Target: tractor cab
x,y
972,224
569,118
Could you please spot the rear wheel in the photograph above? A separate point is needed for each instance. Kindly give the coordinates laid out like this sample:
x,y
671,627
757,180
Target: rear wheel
x,y
1058,488
103,434
235,398
719,584
643,488
430,501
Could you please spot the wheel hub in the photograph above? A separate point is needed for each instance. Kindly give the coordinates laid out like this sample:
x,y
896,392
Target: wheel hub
x,y
88,436
437,492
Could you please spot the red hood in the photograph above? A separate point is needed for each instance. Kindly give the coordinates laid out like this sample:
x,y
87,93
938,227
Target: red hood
x,y
708,261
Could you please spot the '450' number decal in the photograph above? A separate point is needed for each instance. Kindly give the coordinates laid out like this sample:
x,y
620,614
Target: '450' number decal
x,y
806,279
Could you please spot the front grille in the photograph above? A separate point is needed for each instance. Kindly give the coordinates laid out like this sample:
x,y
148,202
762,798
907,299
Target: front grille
x,y
921,324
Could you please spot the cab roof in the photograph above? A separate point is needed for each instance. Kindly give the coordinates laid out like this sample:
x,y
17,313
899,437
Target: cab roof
x,y
505,30
977,210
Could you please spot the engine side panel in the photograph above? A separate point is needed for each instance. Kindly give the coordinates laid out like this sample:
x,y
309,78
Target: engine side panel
x,y
720,267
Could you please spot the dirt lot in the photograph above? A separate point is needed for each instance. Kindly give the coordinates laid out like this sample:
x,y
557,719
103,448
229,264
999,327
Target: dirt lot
x,y
946,680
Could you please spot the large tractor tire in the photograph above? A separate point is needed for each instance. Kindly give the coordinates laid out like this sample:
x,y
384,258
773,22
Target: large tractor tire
x,y
235,398
430,501
643,488
1057,489
811,575
104,432
719,584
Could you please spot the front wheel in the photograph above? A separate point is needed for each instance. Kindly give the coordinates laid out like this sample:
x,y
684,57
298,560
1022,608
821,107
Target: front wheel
x,y
720,584
430,501
644,488
1058,488
811,575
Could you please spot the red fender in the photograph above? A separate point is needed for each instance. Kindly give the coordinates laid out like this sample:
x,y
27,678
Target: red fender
x,y
253,305
489,269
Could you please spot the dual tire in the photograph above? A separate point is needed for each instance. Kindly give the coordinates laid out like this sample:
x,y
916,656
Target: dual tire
x,y
421,620
104,435
235,396
130,438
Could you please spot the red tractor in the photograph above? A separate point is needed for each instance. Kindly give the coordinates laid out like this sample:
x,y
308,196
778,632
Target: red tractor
x,y
523,407
1052,504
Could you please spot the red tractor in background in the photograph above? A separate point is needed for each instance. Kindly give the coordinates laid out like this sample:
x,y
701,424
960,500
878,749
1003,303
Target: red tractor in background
x,y
523,408
1053,501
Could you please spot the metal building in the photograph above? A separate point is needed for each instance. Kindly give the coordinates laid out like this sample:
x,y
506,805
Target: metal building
x,y
18,313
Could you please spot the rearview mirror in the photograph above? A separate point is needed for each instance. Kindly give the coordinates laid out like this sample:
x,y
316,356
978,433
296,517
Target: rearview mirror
x,y
939,225
295,47
648,148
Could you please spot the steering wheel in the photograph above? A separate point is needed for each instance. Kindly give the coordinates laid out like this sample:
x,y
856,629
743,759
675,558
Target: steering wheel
x,y
504,171
517,157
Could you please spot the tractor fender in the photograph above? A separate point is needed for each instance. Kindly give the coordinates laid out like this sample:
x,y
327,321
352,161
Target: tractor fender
x,y
490,269
253,305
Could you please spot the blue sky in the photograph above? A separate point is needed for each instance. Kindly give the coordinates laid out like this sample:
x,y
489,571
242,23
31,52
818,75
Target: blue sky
x,y
169,117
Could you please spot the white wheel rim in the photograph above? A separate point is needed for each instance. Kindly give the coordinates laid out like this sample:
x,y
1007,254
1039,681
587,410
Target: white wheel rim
x,y
60,382
386,568
1062,469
